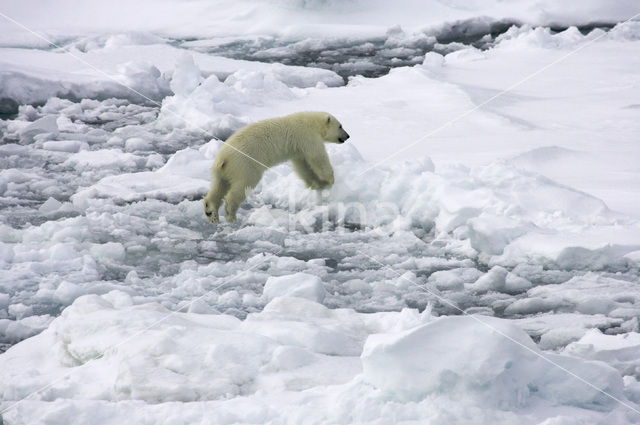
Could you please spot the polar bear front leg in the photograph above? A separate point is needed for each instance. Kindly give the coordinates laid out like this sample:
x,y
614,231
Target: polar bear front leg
x,y
304,171
213,200
321,167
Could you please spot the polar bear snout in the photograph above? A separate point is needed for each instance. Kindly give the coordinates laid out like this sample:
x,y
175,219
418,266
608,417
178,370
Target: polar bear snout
x,y
343,136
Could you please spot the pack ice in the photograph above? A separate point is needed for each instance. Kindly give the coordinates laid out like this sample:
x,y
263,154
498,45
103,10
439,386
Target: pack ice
x,y
477,260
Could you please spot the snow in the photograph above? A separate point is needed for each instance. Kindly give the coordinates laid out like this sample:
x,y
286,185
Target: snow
x,y
47,124
476,261
506,372
106,350
32,76
63,145
302,285
290,18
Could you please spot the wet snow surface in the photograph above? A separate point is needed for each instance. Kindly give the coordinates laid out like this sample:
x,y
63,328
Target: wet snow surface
x,y
486,273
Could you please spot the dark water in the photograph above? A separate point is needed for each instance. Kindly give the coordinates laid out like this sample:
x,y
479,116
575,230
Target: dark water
x,y
370,57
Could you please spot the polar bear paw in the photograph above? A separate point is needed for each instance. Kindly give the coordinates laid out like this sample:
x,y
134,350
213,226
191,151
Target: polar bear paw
x,y
211,212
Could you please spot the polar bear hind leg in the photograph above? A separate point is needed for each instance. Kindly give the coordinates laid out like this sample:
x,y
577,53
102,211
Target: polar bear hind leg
x,y
236,195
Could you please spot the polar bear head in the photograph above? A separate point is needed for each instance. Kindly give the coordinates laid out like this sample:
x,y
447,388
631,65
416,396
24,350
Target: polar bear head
x,y
334,133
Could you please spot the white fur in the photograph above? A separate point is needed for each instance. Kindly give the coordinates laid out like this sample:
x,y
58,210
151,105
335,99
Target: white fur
x,y
247,154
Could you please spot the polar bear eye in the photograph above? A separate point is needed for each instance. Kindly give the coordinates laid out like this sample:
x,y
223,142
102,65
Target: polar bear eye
x,y
340,125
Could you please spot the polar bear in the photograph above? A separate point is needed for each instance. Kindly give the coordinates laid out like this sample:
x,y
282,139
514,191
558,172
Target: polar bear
x,y
240,163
